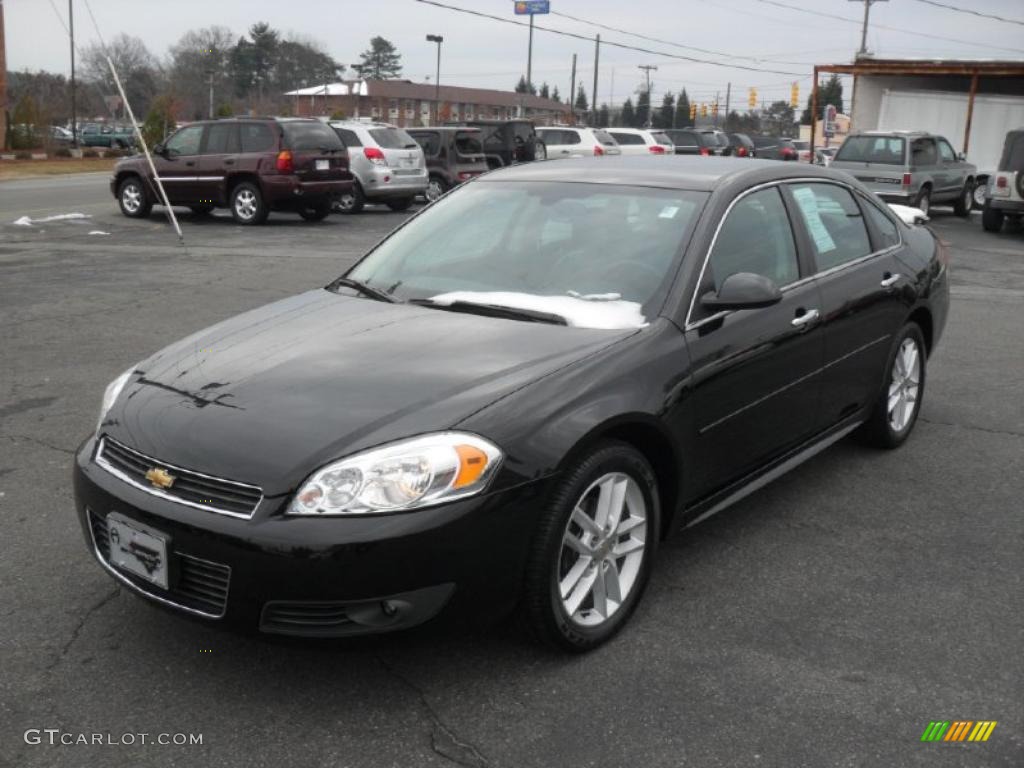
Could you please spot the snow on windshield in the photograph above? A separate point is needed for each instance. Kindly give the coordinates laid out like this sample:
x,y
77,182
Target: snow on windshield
x,y
601,312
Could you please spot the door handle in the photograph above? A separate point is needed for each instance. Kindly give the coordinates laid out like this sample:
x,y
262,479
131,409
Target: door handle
x,y
229,161
890,280
190,163
809,316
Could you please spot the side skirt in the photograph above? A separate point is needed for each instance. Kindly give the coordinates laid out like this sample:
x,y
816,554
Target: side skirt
x,y
743,488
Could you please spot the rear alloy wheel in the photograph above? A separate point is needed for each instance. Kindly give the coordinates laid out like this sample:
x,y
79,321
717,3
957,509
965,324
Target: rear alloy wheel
x,y
435,188
979,195
899,403
923,201
317,211
132,198
351,201
964,203
401,204
540,151
247,204
991,218
594,549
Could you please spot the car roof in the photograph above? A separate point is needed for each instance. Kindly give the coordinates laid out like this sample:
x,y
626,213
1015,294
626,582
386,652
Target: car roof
x,y
893,133
673,172
444,128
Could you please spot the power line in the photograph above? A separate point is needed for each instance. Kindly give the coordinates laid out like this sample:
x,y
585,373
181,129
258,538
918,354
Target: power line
x,y
503,20
972,12
669,42
858,22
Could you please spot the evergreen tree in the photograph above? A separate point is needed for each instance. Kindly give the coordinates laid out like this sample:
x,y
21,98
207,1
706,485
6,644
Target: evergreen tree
x,y
683,110
603,117
581,104
381,61
627,117
555,95
829,92
523,87
664,117
544,92
643,109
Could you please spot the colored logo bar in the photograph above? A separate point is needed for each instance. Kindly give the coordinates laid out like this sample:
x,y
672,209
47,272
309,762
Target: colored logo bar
x,y
958,730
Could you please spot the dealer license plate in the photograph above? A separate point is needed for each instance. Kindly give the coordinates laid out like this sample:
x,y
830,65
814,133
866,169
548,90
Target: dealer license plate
x,y
323,165
138,549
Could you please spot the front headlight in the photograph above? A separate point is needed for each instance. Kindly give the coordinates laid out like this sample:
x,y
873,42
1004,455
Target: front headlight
x,y
110,395
402,476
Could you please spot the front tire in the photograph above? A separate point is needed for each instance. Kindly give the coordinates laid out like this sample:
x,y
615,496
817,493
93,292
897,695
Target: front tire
x,y
351,201
991,219
436,187
899,403
201,210
593,550
132,197
963,205
247,206
923,201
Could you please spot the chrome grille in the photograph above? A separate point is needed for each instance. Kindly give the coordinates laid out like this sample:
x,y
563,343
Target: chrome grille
x,y
193,488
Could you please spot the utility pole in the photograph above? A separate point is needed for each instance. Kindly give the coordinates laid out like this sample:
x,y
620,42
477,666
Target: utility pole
x,y
437,78
74,103
717,94
593,93
864,30
529,68
209,82
647,73
572,90
728,94
3,81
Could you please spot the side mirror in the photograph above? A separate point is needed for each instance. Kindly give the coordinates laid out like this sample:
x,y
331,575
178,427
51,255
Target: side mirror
x,y
160,149
743,290
961,156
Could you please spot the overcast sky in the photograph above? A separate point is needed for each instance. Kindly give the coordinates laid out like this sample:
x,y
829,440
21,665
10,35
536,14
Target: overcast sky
x,y
486,53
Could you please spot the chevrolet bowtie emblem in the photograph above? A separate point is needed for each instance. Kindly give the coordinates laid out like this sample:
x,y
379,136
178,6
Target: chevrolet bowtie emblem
x,y
160,478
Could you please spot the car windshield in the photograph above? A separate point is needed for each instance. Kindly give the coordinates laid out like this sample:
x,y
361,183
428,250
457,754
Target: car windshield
x,y
310,135
598,255
888,150
393,138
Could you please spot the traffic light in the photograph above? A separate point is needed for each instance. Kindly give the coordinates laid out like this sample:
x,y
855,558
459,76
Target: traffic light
x,y
752,98
714,109
703,110
794,96
693,111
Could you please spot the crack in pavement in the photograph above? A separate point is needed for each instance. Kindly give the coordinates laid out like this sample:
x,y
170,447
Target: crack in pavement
x,y
443,740
971,427
40,442
77,629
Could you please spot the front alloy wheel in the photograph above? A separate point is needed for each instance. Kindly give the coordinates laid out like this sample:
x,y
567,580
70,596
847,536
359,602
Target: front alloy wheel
x,y
132,198
899,403
435,188
594,548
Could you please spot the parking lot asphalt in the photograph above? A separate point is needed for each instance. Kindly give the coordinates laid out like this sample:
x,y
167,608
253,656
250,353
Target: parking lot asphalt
x,y
823,621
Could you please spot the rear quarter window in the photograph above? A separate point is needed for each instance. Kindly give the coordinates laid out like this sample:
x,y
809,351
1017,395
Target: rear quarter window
x,y
311,135
605,138
256,137
1014,155
661,138
468,144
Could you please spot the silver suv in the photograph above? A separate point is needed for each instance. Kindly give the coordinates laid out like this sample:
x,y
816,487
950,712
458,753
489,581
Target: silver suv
x,y
388,165
909,167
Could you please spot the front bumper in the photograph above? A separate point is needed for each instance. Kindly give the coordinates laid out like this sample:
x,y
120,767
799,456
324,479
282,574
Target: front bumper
x,y
320,576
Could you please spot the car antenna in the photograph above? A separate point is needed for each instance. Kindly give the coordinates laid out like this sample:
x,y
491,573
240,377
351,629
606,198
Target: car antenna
x,y
135,126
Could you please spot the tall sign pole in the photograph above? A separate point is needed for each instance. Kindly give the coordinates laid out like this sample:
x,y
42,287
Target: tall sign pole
x,y
74,103
572,91
647,73
529,8
593,93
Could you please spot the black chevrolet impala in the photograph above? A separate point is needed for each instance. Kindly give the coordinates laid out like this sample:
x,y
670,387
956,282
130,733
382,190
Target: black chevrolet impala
x,y
509,401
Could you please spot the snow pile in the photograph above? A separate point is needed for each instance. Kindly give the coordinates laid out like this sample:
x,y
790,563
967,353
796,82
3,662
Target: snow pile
x,y
578,312
98,232
909,214
25,221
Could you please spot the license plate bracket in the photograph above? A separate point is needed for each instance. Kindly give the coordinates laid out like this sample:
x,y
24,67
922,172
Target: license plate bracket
x,y
138,549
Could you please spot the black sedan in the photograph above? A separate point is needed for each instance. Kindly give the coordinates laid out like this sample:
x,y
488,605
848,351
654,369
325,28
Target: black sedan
x,y
509,401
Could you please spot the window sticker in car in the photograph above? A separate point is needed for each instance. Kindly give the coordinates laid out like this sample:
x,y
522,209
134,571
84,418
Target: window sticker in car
x,y
669,212
808,203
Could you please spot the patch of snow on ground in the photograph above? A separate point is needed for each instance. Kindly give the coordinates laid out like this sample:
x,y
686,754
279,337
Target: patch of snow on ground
x,y
578,312
98,232
25,221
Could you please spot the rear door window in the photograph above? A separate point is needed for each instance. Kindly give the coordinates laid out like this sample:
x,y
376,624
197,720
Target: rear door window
x,y
256,137
310,135
552,138
348,138
684,140
222,139
467,143
887,150
885,227
429,140
923,152
834,223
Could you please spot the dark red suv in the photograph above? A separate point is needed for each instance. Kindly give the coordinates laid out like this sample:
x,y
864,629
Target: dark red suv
x,y
250,165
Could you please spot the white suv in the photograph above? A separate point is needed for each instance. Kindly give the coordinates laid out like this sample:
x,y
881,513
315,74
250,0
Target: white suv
x,y
637,141
572,141
388,165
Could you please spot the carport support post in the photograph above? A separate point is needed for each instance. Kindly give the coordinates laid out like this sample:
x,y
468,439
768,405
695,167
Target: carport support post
x,y
814,107
970,111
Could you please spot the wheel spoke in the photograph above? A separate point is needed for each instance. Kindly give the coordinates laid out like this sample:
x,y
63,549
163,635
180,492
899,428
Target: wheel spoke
x,y
627,547
609,502
572,578
580,591
613,583
894,399
586,522
575,544
627,524
600,593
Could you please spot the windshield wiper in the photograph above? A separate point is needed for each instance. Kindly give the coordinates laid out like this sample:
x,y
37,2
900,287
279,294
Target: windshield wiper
x,y
494,310
363,288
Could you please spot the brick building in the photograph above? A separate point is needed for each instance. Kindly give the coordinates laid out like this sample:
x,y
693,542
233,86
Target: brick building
x,y
406,103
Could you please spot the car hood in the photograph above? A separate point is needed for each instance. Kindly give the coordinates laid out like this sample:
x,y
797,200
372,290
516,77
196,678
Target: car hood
x,y
270,395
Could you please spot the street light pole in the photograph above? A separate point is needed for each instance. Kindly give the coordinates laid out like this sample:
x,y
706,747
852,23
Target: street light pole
x,y
74,106
209,81
864,29
647,72
437,78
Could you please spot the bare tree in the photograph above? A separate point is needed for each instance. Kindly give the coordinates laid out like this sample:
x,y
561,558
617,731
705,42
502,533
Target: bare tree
x,y
136,66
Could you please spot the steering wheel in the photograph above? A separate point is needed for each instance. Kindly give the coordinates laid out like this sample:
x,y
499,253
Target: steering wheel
x,y
634,274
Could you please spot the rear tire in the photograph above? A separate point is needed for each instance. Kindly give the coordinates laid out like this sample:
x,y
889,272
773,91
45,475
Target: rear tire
x,y
980,188
540,151
317,211
132,197
964,203
351,201
593,549
435,188
991,219
924,200
893,417
247,206
401,204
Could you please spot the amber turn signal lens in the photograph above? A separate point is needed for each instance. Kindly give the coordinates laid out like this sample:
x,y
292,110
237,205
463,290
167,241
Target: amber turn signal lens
x,y
472,463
